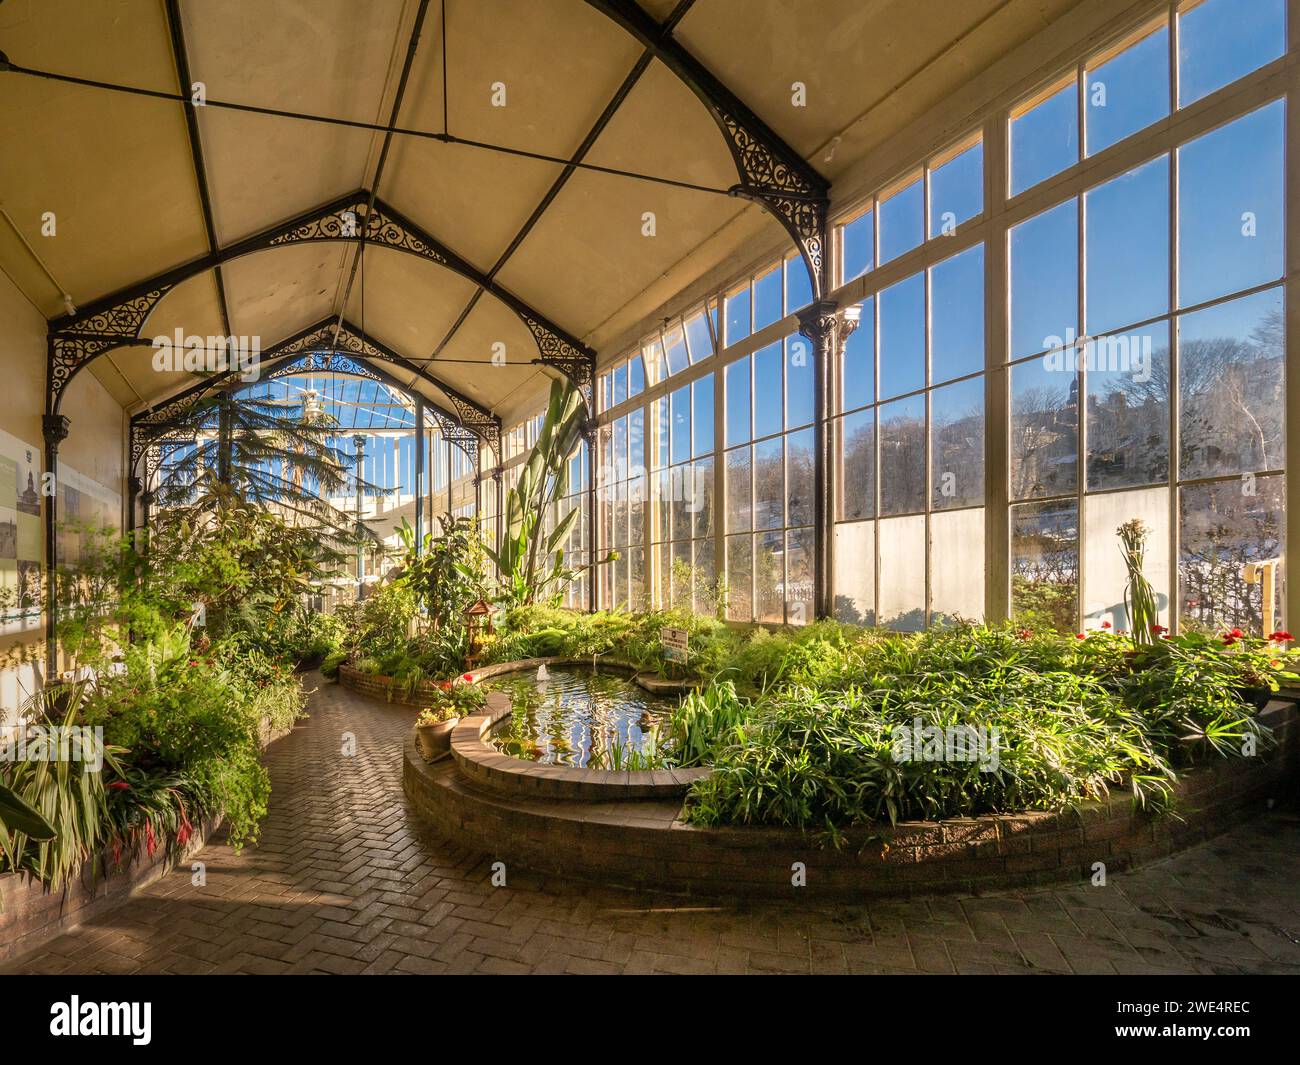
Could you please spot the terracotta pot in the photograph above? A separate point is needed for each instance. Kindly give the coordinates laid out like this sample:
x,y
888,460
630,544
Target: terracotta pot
x,y
433,740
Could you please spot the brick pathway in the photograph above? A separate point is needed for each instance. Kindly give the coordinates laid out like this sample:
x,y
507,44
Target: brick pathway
x,y
344,881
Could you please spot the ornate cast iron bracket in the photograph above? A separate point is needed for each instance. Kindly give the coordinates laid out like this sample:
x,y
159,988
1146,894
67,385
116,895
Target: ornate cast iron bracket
x,y
771,172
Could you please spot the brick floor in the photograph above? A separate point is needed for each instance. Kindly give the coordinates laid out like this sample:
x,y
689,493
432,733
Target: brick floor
x,y
345,881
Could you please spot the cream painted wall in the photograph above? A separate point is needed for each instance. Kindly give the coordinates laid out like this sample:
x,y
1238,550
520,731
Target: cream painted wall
x,y
95,447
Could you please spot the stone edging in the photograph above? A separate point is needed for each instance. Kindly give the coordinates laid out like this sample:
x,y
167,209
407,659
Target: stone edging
x,y
647,845
378,686
486,766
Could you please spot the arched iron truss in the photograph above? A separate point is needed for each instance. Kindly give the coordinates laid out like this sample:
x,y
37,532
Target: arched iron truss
x,y
74,341
327,347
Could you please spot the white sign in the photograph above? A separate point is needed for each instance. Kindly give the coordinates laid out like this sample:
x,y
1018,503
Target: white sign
x,y
674,644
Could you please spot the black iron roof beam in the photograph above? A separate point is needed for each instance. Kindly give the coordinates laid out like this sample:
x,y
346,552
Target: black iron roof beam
x,y
772,173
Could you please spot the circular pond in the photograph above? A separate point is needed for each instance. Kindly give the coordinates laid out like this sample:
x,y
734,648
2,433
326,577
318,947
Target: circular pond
x,y
577,716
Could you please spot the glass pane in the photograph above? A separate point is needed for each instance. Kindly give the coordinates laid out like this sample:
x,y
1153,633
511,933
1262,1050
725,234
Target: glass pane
x,y
737,306
1226,527
800,478
675,349
855,573
682,495
740,507
902,573
1231,229
957,316
1044,426
740,576
856,441
662,431
957,190
1129,92
902,221
635,376
1045,280
681,420
663,530
680,577
1220,41
699,498
1045,566
769,576
1045,139
767,299
767,390
857,246
799,549
1105,574
957,444
1231,368
636,439
620,383
798,285
858,363
636,578
798,381
702,416
1126,244
1128,408
653,355
902,456
705,599
902,337
769,484
697,337
737,376
957,566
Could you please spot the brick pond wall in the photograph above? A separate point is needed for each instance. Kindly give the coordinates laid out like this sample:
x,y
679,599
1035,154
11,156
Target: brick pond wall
x,y
646,844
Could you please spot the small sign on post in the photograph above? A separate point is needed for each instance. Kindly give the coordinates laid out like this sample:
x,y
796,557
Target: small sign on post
x,y
675,642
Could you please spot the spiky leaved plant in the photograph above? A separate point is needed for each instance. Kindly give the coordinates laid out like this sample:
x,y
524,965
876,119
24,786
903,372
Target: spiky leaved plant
x,y
1139,596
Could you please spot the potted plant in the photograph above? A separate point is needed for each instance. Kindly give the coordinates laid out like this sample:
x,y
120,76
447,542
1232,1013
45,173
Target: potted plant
x,y
452,701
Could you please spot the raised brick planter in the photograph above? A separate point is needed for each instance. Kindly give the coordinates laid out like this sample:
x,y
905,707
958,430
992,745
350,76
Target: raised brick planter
x,y
645,844
31,915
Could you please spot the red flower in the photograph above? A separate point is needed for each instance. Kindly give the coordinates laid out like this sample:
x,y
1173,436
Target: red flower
x,y
467,677
445,685
1279,636
1157,629
1236,634
1024,634
1105,624
1080,635
119,785
1228,641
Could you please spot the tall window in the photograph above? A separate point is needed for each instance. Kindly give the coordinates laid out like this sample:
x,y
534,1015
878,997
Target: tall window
x,y
1149,385
769,483
622,491
909,451
682,486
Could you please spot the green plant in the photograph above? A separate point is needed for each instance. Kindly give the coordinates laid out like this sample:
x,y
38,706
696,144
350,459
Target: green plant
x,y
446,571
530,562
1139,596
66,793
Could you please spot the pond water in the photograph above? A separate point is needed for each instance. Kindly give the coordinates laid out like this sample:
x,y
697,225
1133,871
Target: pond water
x,y
576,711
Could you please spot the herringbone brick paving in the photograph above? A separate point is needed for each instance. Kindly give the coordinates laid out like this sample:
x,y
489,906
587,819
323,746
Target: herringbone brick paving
x,y
346,880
